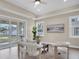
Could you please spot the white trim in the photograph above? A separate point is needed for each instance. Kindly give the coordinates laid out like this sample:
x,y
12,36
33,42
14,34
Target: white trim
x,y
74,46
8,17
17,13
59,12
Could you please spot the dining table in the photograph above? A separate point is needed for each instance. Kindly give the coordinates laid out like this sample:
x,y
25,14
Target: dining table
x,y
54,45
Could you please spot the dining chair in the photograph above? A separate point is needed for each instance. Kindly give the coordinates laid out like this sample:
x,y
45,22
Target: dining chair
x,y
34,50
29,49
21,51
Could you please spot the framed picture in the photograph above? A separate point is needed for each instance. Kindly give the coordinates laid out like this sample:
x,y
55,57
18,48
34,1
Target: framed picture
x,y
55,28
40,28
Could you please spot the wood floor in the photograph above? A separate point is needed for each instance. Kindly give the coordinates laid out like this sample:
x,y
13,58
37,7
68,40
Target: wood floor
x,y
11,53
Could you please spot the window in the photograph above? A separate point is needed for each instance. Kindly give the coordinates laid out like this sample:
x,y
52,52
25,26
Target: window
x,y
40,28
4,30
74,26
12,29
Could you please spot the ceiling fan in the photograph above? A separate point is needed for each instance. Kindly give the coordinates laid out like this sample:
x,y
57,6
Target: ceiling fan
x,y
37,2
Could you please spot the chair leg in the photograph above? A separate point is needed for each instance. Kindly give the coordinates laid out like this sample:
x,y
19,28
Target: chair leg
x,y
22,55
67,52
18,51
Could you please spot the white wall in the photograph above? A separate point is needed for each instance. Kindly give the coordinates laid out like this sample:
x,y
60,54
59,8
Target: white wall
x,y
59,37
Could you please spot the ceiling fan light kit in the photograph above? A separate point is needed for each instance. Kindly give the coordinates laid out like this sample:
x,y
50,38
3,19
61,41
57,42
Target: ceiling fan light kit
x,y
37,2
65,0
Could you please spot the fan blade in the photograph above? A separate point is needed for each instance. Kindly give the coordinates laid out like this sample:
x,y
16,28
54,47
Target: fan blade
x,y
37,0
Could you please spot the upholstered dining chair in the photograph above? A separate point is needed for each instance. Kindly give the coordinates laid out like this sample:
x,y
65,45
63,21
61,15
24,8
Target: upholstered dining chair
x,y
21,50
34,50
29,49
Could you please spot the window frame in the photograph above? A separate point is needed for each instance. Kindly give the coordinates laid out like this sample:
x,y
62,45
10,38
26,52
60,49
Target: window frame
x,y
73,26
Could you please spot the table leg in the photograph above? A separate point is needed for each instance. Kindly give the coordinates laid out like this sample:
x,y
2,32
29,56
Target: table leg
x,y
67,52
55,52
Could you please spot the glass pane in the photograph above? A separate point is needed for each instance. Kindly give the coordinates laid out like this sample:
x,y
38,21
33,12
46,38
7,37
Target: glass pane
x,y
21,30
4,30
13,31
76,31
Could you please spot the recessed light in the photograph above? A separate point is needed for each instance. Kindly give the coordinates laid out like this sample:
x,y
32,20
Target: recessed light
x,y
65,0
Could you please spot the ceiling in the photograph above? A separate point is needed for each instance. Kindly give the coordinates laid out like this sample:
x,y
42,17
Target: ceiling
x,y
42,9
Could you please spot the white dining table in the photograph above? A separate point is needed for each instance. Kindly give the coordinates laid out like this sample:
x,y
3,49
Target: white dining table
x,y
55,45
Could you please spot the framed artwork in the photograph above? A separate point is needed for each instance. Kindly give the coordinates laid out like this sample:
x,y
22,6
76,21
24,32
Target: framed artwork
x,y
55,28
40,28
74,26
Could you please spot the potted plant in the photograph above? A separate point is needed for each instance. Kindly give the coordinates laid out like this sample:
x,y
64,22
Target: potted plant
x,y
38,39
34,33
35,37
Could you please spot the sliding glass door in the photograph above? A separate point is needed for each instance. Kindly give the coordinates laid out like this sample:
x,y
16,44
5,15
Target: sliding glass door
x,y
4,31
21,30
11,31
13,25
